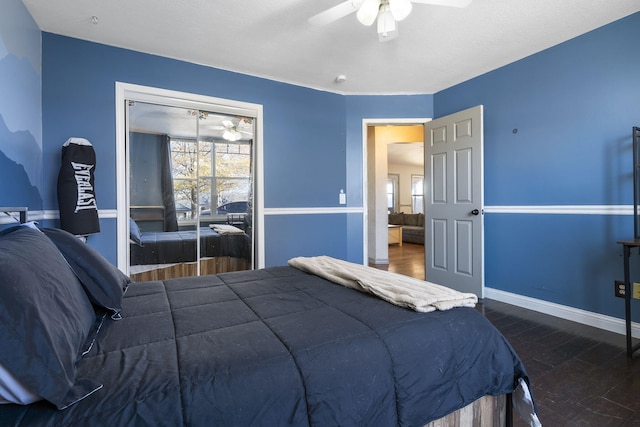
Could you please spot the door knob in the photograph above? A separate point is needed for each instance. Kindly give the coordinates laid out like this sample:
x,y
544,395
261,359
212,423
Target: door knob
x,y
475,212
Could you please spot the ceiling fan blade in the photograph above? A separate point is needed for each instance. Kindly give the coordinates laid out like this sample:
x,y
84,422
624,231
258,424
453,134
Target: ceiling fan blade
x,y
336,12
368,13
400,9
452,3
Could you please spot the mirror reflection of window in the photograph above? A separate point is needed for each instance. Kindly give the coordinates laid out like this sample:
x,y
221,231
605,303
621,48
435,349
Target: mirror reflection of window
x,y
188,159
232,179
212,178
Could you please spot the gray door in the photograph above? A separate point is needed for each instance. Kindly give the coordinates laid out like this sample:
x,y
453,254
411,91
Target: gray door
x,y
454,200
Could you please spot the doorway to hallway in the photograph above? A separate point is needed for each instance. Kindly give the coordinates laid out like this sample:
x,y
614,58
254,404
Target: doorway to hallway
x,y
383,139
407,260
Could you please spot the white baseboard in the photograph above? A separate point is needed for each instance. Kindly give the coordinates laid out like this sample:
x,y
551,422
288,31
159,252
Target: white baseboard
x,y
601,321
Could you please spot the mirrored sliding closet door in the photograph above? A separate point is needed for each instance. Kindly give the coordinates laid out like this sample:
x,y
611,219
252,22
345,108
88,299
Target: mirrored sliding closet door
x,y
191,191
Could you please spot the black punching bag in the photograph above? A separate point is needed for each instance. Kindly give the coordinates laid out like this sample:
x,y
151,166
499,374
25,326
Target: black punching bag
x,y
76,196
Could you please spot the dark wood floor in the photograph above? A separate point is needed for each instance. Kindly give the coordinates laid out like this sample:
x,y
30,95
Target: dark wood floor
x,y
580,375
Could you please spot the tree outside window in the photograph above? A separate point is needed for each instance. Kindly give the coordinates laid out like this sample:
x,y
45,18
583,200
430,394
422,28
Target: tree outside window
x,y
207,174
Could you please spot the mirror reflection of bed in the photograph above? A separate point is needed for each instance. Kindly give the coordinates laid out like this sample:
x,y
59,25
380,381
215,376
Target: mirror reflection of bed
x,y
161,255
190,192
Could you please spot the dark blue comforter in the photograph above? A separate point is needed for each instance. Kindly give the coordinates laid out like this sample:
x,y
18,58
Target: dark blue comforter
x,y
278,347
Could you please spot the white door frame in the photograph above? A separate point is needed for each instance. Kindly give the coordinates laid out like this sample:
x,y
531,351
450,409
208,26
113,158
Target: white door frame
x,y
365,168
126,91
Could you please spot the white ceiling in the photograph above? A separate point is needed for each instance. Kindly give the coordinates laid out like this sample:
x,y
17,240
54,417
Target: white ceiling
x,y
437,46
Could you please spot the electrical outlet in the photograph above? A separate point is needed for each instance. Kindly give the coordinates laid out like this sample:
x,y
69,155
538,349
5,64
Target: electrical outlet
x,y
636,290
619,288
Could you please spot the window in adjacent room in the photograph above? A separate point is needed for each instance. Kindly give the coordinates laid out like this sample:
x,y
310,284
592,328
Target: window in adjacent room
x,y
392,192
417,193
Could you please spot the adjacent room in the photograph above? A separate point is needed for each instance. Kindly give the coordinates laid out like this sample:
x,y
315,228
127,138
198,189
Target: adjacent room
x,y
249,213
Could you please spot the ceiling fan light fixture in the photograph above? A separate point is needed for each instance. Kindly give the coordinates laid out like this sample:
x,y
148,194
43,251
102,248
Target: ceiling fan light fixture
x,y
400,9
231,135
387,12
387,25
368,11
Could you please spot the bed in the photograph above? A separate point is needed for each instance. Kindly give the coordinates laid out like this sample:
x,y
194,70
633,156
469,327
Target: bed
x,y
275,346
163,255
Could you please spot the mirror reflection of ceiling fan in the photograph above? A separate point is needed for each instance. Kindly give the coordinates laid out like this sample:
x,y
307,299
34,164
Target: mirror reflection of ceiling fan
x,y
387,13
235,131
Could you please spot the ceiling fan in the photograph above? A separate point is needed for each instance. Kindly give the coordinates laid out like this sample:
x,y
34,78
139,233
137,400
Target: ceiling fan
x,y
234,131
387,12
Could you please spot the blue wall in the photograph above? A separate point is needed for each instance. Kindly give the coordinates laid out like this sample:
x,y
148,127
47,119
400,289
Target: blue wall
x,y
371,107
20,107
320,241
79,98
304,130
573,107
309,155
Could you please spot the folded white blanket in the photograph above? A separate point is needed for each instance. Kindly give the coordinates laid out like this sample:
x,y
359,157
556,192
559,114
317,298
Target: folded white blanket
x,y
395,288
226,229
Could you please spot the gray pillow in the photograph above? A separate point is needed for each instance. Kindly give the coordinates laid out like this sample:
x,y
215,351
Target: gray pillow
x,y
411,219
396,218
103,282
46,318
134,232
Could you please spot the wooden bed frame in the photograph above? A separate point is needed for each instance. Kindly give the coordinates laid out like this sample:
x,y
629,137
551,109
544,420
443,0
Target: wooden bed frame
x,y
488,411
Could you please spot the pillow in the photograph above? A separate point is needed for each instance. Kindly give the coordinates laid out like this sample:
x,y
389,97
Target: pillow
x,y
411,220
396,218
103,282
46,319
134,232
